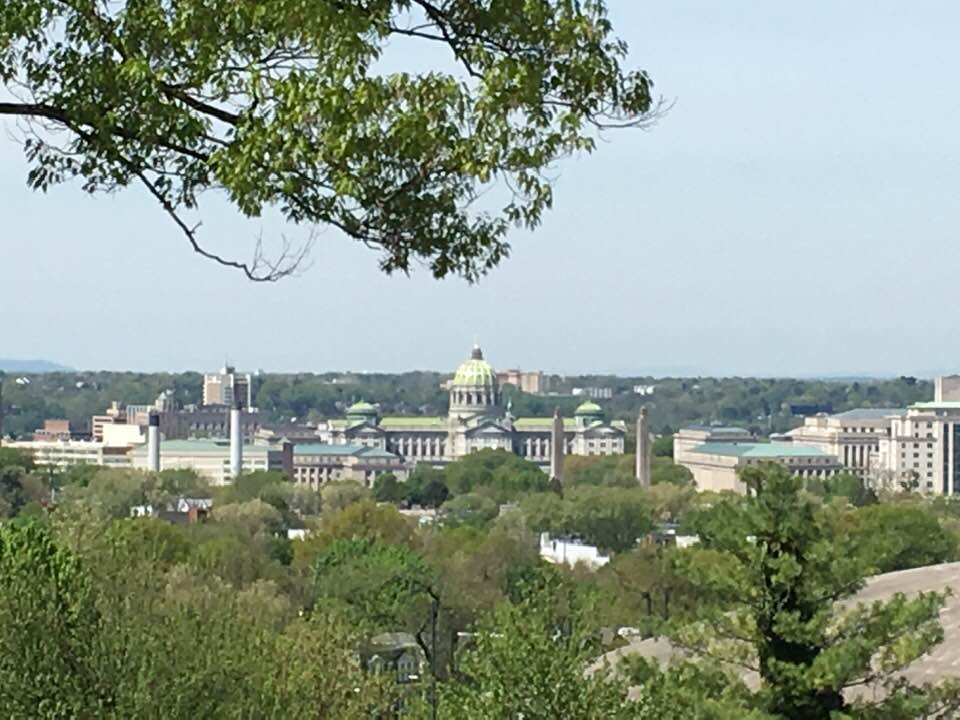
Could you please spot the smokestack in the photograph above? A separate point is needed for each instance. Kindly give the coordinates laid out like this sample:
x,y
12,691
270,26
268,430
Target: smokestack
x,y
557,447
236,442
643,449
153,442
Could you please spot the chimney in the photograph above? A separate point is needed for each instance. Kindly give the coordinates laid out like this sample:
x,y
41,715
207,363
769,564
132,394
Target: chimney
x,y
557,447
643,449
236,442
153,442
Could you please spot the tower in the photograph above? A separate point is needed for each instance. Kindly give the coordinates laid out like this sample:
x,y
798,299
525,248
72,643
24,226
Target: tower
x,y
643,449
557,446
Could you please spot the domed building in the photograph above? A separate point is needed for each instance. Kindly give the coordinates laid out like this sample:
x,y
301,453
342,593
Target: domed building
x,y
475,420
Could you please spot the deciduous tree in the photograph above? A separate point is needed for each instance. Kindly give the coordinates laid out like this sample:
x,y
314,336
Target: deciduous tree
x,y
294,107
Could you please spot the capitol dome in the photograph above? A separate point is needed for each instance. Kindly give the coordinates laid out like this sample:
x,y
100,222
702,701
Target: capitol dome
x,y
587,414
473,390
361,411
588,408
475,372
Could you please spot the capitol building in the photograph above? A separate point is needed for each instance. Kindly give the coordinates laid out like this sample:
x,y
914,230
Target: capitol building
x,y
476,420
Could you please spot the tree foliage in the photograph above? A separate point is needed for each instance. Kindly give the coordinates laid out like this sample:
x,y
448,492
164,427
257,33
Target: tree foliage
x,y
294,109
779,563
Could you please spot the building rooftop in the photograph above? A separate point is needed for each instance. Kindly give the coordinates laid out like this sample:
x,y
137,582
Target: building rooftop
x,y
948,405
759,450
413,421
716,429
338,450
202,445
588,408
870,413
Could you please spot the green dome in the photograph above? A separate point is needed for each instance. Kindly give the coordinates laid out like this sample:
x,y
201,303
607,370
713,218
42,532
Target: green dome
x,y
361,409
589,408
475,372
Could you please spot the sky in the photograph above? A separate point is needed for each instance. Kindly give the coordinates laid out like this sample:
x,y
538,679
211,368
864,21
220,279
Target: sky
x,y
795,214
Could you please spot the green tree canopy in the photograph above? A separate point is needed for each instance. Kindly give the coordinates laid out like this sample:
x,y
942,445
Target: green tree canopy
x,y
898,537
778,563
498,474
48,628
297,109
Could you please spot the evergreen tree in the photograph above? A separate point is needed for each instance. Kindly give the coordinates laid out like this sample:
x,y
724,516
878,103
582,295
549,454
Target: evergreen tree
x,y
781,567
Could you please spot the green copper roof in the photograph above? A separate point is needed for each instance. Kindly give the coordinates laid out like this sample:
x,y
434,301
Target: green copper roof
x,y
759,450
361,408
475,372
413,420
589,408
339,450
542,423
949,405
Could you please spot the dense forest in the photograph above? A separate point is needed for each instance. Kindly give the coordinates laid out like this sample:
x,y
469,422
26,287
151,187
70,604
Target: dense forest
x,y
761,404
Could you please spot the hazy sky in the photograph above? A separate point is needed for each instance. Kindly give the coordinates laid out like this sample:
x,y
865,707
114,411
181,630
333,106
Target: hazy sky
x,y
795,213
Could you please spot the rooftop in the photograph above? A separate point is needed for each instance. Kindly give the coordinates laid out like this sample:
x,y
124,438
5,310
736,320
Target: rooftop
x,y
413,420
947,405
869,413
203,445
759,450
334,450
717,429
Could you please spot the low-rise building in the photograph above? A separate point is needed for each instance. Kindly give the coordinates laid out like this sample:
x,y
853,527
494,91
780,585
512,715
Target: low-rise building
x,y
64,453
687,439
569,551
316,463
715,465
211,458
396,653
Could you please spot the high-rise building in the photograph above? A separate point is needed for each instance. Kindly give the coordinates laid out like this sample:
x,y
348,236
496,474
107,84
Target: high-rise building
x,y
227,387
528,381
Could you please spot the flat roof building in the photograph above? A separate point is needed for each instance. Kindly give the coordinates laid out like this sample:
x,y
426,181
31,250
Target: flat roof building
x,y
211,458
715,465
315,464
853,437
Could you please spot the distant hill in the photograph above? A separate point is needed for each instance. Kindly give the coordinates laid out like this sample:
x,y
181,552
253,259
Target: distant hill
x,y
31,366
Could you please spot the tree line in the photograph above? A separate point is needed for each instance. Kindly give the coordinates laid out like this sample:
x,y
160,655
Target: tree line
x,y
761,405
